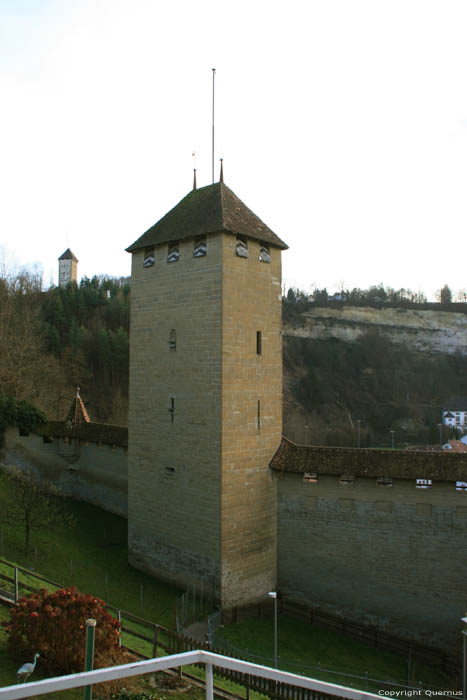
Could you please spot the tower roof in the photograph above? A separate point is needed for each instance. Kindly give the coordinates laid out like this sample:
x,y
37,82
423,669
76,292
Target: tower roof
x,y
68,255
77,413
207,210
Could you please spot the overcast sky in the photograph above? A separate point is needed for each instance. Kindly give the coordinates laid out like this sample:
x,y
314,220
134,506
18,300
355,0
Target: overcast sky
x,y
342,124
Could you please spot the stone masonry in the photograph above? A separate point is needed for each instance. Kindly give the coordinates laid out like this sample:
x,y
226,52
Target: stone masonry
x,y
205,408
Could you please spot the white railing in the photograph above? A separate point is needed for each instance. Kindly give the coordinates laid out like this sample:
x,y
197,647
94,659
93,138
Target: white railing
x,y
51,685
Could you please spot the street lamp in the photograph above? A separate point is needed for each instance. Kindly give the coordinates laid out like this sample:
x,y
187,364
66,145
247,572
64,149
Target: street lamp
x,y
392,438
440,426
273,594
464,661
358,433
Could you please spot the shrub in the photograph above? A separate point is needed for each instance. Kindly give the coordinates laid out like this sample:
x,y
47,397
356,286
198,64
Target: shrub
x,y
54,624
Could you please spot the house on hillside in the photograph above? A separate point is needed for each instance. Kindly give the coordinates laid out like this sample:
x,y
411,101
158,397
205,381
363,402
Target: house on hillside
x,y
455,414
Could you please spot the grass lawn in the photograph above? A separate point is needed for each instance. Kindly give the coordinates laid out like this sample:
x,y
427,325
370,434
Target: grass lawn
x,y
94,557
308,649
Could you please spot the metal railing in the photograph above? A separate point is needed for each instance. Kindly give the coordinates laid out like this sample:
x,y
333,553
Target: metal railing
x,y
314,690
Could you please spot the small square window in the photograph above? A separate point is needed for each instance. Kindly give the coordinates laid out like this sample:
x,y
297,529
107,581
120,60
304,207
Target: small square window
x,y
148,258
241,248
200,248
264,253
173,254
310,478
423,483
461,486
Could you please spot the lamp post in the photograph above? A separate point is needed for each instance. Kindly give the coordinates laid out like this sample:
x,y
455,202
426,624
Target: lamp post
x,y
358,433
392,438
440,426
464,658
273,594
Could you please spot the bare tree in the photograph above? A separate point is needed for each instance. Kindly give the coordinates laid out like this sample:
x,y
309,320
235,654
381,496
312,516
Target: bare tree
x,y
34,505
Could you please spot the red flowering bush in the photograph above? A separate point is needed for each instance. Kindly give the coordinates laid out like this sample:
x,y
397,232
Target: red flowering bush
x,y
54,624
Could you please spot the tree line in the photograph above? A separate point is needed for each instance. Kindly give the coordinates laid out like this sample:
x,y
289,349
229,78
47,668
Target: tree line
x,y
53,341
377,295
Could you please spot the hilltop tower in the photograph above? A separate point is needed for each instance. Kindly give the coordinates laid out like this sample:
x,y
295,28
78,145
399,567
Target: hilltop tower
x,y
205,413
67,268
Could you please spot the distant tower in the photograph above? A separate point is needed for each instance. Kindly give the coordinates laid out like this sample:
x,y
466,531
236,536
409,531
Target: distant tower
x,y
67,268
205,413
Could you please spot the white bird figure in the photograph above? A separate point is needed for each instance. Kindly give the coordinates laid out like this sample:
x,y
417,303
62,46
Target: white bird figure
x,y
23,673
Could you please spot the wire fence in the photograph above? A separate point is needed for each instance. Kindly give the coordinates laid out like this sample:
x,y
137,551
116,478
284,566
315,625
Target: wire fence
x,y
147,639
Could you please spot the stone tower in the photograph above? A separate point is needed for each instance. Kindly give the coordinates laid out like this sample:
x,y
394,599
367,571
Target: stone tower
x,y
206,397
67,268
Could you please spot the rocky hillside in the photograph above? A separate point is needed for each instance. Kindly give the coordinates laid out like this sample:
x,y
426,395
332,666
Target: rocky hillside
x,y
429,331
389,368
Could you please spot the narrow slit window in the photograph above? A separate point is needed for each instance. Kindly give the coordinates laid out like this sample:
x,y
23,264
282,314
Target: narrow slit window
x,y
148,260
259,416
264,253
173,254
241,248
258,343
172,340
200,248
172,410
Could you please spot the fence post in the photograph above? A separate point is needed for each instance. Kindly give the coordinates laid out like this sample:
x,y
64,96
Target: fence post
x,y
180,649
209,683
155,641
119,615
16,584
247,685
89,654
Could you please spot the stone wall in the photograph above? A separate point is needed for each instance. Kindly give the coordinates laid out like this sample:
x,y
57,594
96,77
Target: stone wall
x,y
88,471
251,420
395,556
175,459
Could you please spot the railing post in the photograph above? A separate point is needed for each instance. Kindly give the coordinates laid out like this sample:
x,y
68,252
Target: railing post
x,y
89,654
120,622
155,641
16,584
209,683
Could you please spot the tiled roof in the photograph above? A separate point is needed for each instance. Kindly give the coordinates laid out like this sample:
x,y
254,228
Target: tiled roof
x,y
400,464
210,209
68,255
90,432
77,413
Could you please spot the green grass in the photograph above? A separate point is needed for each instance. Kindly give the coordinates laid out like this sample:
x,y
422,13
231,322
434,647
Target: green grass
x,y
308,649
92,556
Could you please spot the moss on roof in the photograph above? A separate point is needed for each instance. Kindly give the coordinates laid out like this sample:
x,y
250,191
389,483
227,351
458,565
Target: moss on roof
x,y
398,464
91,432
208,210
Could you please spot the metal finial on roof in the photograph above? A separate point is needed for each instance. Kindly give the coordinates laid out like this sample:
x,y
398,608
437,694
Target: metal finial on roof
x,y
194,178
221,178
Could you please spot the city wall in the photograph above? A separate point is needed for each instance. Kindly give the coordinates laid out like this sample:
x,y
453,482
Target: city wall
x,y
89,464
358,539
